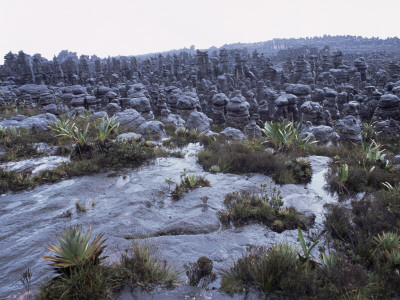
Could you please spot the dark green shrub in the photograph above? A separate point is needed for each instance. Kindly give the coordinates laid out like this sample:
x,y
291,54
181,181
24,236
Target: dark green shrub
x,y
201,272
266,208
142,265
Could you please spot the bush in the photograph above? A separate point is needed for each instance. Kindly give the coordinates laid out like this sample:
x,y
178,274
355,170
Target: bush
x,y
142,265
245,207
278,270
252,157
261,268
201,272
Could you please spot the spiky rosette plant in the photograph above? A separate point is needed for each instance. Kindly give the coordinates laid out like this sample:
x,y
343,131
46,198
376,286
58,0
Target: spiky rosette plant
x,y
75,250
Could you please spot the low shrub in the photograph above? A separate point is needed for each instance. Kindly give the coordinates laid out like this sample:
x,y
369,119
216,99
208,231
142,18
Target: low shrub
x,y
200,273
278,270
142,265
262,268
82,273
367,232
13,181
266,208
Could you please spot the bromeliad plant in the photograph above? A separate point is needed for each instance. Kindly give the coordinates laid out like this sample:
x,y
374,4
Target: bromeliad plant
x,y
285,135
75,250
67,128
188,183
105,127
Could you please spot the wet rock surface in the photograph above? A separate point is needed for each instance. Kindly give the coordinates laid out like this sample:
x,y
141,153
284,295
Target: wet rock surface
x,y
138,205
35,165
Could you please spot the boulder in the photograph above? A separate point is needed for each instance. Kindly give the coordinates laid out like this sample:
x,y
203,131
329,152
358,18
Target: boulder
x,y
388,108
153,130
113,108
233,134
199,121
128,136
168,118
237,111
252,130
129,119
349,129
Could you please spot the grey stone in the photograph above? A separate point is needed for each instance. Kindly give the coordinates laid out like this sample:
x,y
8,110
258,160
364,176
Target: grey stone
x,y
112,109
233,134
129,136
153,130
349,129
199,121
129,119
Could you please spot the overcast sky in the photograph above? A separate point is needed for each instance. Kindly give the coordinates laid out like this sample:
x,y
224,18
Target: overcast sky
x,y
131,27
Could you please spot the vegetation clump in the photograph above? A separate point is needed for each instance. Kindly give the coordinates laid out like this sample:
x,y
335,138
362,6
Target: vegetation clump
x,y
366,231
189,182
142,265
280,270
95,150
82,273
285,136
19,143
364,167
181,137
248,206
200,273
78,263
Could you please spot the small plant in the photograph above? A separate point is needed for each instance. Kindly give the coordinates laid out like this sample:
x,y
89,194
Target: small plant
x,y
26,280
300,168
67,128
75,249
387,241
201,272
78,265
105,127
80,207
285,135
181,137
215,169
329,263
63,127
369,132
169,182
391,188
343,173
306,256
189,182
373,153
142,265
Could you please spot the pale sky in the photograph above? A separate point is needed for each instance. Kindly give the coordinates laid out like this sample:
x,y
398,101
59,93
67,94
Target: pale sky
x,y
123,27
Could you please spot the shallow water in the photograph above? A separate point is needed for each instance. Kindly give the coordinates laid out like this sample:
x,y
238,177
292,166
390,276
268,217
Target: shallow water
x,y
136,204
